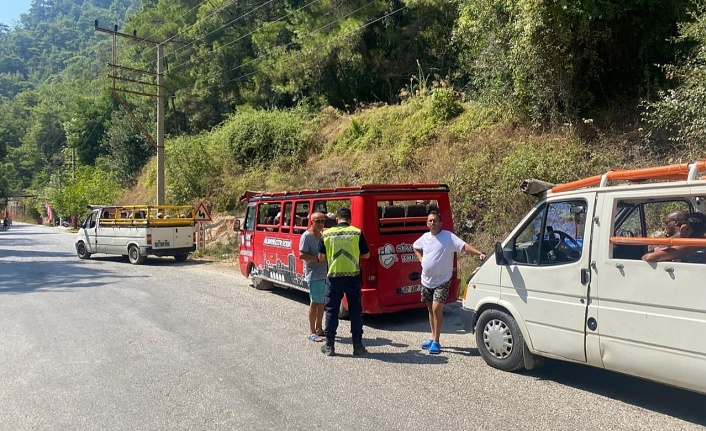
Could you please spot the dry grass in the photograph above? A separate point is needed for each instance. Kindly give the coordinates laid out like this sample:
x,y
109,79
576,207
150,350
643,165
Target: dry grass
x,y
480,154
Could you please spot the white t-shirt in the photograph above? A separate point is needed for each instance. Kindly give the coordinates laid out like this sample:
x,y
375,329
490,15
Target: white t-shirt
x,y
438,256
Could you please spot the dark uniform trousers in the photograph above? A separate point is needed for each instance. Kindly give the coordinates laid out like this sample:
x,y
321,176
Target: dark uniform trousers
x,y
338,286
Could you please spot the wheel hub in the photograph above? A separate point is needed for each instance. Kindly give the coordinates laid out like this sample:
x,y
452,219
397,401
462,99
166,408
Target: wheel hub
x,y
498,339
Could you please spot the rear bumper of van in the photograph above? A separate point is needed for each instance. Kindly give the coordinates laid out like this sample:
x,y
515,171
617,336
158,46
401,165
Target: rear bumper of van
x,y
468,319
170,251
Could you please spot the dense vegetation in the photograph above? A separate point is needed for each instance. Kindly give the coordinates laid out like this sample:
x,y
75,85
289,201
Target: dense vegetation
x,y
475,93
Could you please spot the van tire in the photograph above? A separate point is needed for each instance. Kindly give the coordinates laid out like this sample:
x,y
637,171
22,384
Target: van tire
x,y
133,254
261,284
181,257
82,251
499,340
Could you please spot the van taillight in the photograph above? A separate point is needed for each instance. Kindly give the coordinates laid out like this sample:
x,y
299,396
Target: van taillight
x,y
371,274
149,239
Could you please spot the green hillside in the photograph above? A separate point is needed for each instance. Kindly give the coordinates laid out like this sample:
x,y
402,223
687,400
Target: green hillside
x,y
479,94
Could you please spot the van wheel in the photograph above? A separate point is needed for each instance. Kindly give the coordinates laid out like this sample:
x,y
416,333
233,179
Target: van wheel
x,y
181,257
499,340
133,253
82,251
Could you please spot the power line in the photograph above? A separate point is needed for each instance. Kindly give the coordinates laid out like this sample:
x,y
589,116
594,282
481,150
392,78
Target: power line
x,y
224,25
245,35
322,44
303,52
197,21
299,41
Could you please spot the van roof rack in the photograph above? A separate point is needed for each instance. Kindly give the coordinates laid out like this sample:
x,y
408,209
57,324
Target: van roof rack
x,y
678,172
365,188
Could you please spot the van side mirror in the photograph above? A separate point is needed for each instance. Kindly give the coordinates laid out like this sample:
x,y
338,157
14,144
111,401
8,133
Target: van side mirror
x,y
236,225
500,257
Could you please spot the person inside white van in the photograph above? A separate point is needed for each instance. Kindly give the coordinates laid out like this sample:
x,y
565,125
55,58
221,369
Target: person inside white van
x,y
693,226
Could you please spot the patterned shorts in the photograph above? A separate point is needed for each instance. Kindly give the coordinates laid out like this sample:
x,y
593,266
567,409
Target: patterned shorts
x,y
437,294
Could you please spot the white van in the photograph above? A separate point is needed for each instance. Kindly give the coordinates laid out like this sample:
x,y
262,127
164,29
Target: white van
x,y
569,282
137,231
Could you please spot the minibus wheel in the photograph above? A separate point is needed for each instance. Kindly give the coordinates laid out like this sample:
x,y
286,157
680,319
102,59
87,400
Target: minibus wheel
x,y
343,312
499,340
82,251
133,253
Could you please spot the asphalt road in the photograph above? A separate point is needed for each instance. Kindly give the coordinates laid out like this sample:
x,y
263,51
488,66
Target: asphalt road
x,y
105,345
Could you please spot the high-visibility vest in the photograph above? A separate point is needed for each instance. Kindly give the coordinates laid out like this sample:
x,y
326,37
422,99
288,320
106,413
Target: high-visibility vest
x,y
342,251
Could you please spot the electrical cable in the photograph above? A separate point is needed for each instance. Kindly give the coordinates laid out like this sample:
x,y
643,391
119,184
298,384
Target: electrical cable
x,y
224,25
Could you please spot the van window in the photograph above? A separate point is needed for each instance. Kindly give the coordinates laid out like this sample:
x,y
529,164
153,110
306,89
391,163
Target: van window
x,y
404,216
553,236
640,218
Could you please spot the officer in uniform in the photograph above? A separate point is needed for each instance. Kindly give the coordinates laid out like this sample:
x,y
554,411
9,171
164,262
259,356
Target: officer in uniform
x,y
342,246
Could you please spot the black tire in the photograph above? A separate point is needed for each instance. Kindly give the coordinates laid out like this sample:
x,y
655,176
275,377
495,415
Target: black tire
x,y
181,257
133,254
499,340
261,284
82,251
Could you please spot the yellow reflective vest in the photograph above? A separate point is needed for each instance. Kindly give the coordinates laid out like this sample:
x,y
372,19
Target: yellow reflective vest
x,y
342,251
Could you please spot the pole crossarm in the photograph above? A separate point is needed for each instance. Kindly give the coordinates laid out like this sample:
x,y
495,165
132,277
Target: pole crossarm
x,y
144,72
125,35
136,81
160,96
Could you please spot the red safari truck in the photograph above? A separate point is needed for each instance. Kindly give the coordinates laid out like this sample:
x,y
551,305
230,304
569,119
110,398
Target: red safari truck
x,y
392,217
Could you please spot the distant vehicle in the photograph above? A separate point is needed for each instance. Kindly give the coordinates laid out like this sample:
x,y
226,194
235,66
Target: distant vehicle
x,y
569,283
137,231
66,223
391,216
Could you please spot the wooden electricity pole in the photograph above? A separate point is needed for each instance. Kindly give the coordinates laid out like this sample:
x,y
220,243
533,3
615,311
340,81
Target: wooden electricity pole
x,y
159,95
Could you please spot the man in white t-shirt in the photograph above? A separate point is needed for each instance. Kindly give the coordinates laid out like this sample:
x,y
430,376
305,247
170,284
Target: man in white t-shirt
x,y
435,250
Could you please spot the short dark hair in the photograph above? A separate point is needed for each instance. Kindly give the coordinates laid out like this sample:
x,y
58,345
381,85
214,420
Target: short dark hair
x,y
697,223
436,213
344,213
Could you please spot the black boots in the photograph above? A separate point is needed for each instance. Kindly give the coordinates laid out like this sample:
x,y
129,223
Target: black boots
x,y
328,349
358,347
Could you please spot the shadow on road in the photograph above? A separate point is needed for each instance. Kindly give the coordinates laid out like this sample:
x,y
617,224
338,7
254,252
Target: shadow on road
x,y
685,405
51,271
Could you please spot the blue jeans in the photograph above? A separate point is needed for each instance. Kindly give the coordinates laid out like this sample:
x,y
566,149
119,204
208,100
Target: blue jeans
x,y
338,286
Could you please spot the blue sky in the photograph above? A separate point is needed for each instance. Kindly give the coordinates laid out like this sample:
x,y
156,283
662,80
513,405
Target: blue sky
x,y
11,10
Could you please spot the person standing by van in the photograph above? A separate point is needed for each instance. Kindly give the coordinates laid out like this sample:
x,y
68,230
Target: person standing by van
x,y
314,274
342,246
435,250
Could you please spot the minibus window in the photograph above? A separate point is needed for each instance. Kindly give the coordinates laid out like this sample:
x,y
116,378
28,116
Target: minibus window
x,y
404,216
301,217
329,208
267,213
250,219
286,217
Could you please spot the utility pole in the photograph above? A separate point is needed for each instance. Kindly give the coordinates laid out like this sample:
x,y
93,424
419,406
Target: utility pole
x,y
159,85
